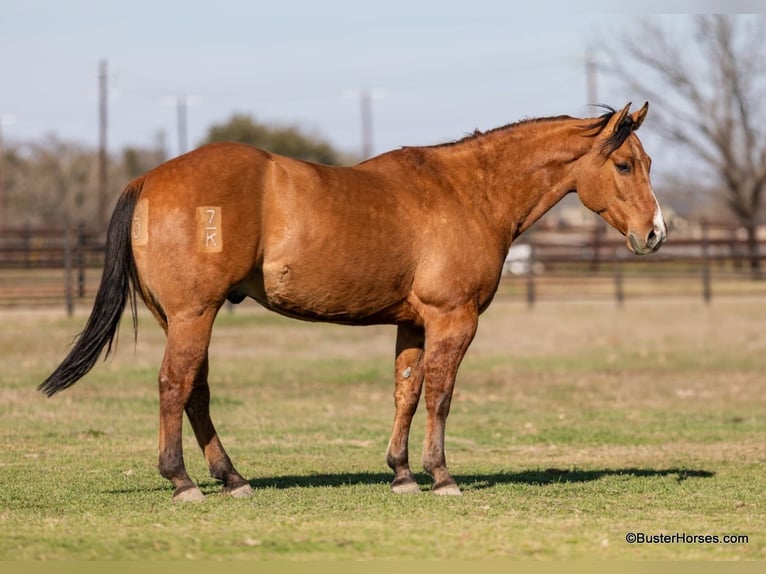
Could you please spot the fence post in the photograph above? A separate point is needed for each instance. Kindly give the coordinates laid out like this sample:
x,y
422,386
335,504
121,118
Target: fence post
x,y
531,276
80,260
707,291
598,231
68,291
619,292
26,241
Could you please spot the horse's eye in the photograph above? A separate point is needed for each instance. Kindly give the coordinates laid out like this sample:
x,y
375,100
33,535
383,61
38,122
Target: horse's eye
x,y
623,167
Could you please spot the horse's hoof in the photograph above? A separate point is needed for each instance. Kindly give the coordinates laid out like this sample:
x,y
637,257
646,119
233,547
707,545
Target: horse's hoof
x,y
242,491
405,487
447,490
191,494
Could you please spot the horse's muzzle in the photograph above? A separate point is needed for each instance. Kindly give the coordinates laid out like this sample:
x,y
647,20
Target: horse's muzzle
x,y
649,243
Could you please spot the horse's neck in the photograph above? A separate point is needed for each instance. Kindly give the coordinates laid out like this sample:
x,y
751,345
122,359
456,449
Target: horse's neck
x,y
522,171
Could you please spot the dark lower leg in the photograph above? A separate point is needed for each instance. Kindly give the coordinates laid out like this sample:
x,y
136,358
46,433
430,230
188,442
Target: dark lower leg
x,y
409,381
219,463
434,459
397,455
170,456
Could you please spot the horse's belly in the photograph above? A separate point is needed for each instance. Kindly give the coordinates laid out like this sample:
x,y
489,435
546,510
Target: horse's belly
x,y
327,292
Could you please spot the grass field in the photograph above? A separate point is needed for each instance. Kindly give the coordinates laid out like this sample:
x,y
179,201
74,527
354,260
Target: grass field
x,y
573,425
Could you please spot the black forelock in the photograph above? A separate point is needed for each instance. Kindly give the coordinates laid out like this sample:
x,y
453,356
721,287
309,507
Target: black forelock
x,y
615,140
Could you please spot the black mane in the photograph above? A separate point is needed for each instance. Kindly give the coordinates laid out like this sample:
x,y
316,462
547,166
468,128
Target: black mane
x,y
477,133
611,144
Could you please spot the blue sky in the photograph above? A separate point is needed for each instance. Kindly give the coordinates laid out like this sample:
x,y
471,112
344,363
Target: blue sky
x,y
440,68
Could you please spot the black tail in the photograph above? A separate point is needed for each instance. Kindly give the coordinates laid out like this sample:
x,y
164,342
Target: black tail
x,y
114,291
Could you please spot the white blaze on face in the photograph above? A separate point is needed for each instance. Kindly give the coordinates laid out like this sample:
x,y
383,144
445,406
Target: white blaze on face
x,y
655,237
658,221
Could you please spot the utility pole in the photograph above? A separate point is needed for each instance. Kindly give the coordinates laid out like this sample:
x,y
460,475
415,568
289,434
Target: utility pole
x,y
4,199
365,96
366,108
103,159
162,148
591,78
181,103
3,190
181,118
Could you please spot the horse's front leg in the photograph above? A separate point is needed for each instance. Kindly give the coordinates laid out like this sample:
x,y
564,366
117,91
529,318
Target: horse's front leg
x,y
409,381
448,336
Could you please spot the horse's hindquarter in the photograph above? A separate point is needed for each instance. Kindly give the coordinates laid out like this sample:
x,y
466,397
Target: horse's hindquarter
x,y
195,229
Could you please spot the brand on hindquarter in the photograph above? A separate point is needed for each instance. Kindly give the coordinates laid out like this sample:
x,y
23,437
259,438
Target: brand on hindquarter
x,y
209,229
139,229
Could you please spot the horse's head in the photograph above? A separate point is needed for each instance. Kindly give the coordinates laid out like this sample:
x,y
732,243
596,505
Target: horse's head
x,y
612,180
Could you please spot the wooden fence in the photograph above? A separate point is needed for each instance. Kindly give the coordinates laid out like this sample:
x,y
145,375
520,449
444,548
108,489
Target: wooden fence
x,y
686,267
54,267
49,266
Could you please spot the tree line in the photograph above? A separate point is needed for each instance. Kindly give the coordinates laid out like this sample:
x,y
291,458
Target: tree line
x,y
53,182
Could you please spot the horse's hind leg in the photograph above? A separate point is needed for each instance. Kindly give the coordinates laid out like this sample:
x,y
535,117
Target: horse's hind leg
x,y
184,387
409,381
185,356
221,468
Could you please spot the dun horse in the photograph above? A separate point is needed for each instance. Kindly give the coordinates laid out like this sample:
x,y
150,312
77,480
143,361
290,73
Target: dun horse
x,y
415,237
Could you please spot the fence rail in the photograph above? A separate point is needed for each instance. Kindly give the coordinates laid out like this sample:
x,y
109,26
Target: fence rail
x,y
49,266
712,259
60,267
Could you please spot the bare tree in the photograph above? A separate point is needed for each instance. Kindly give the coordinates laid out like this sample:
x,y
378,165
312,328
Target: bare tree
x,y
53,182
706,81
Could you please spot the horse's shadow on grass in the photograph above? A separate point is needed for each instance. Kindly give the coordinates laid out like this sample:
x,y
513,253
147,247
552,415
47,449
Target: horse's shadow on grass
x,y
467,482
478,481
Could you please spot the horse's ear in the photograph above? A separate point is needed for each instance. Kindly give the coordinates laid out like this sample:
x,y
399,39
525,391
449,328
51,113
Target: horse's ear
x,y
616,124
639,116
618,120
617,129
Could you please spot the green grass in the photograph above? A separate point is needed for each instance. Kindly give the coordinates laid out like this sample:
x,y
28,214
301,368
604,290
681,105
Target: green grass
x,y
572,425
